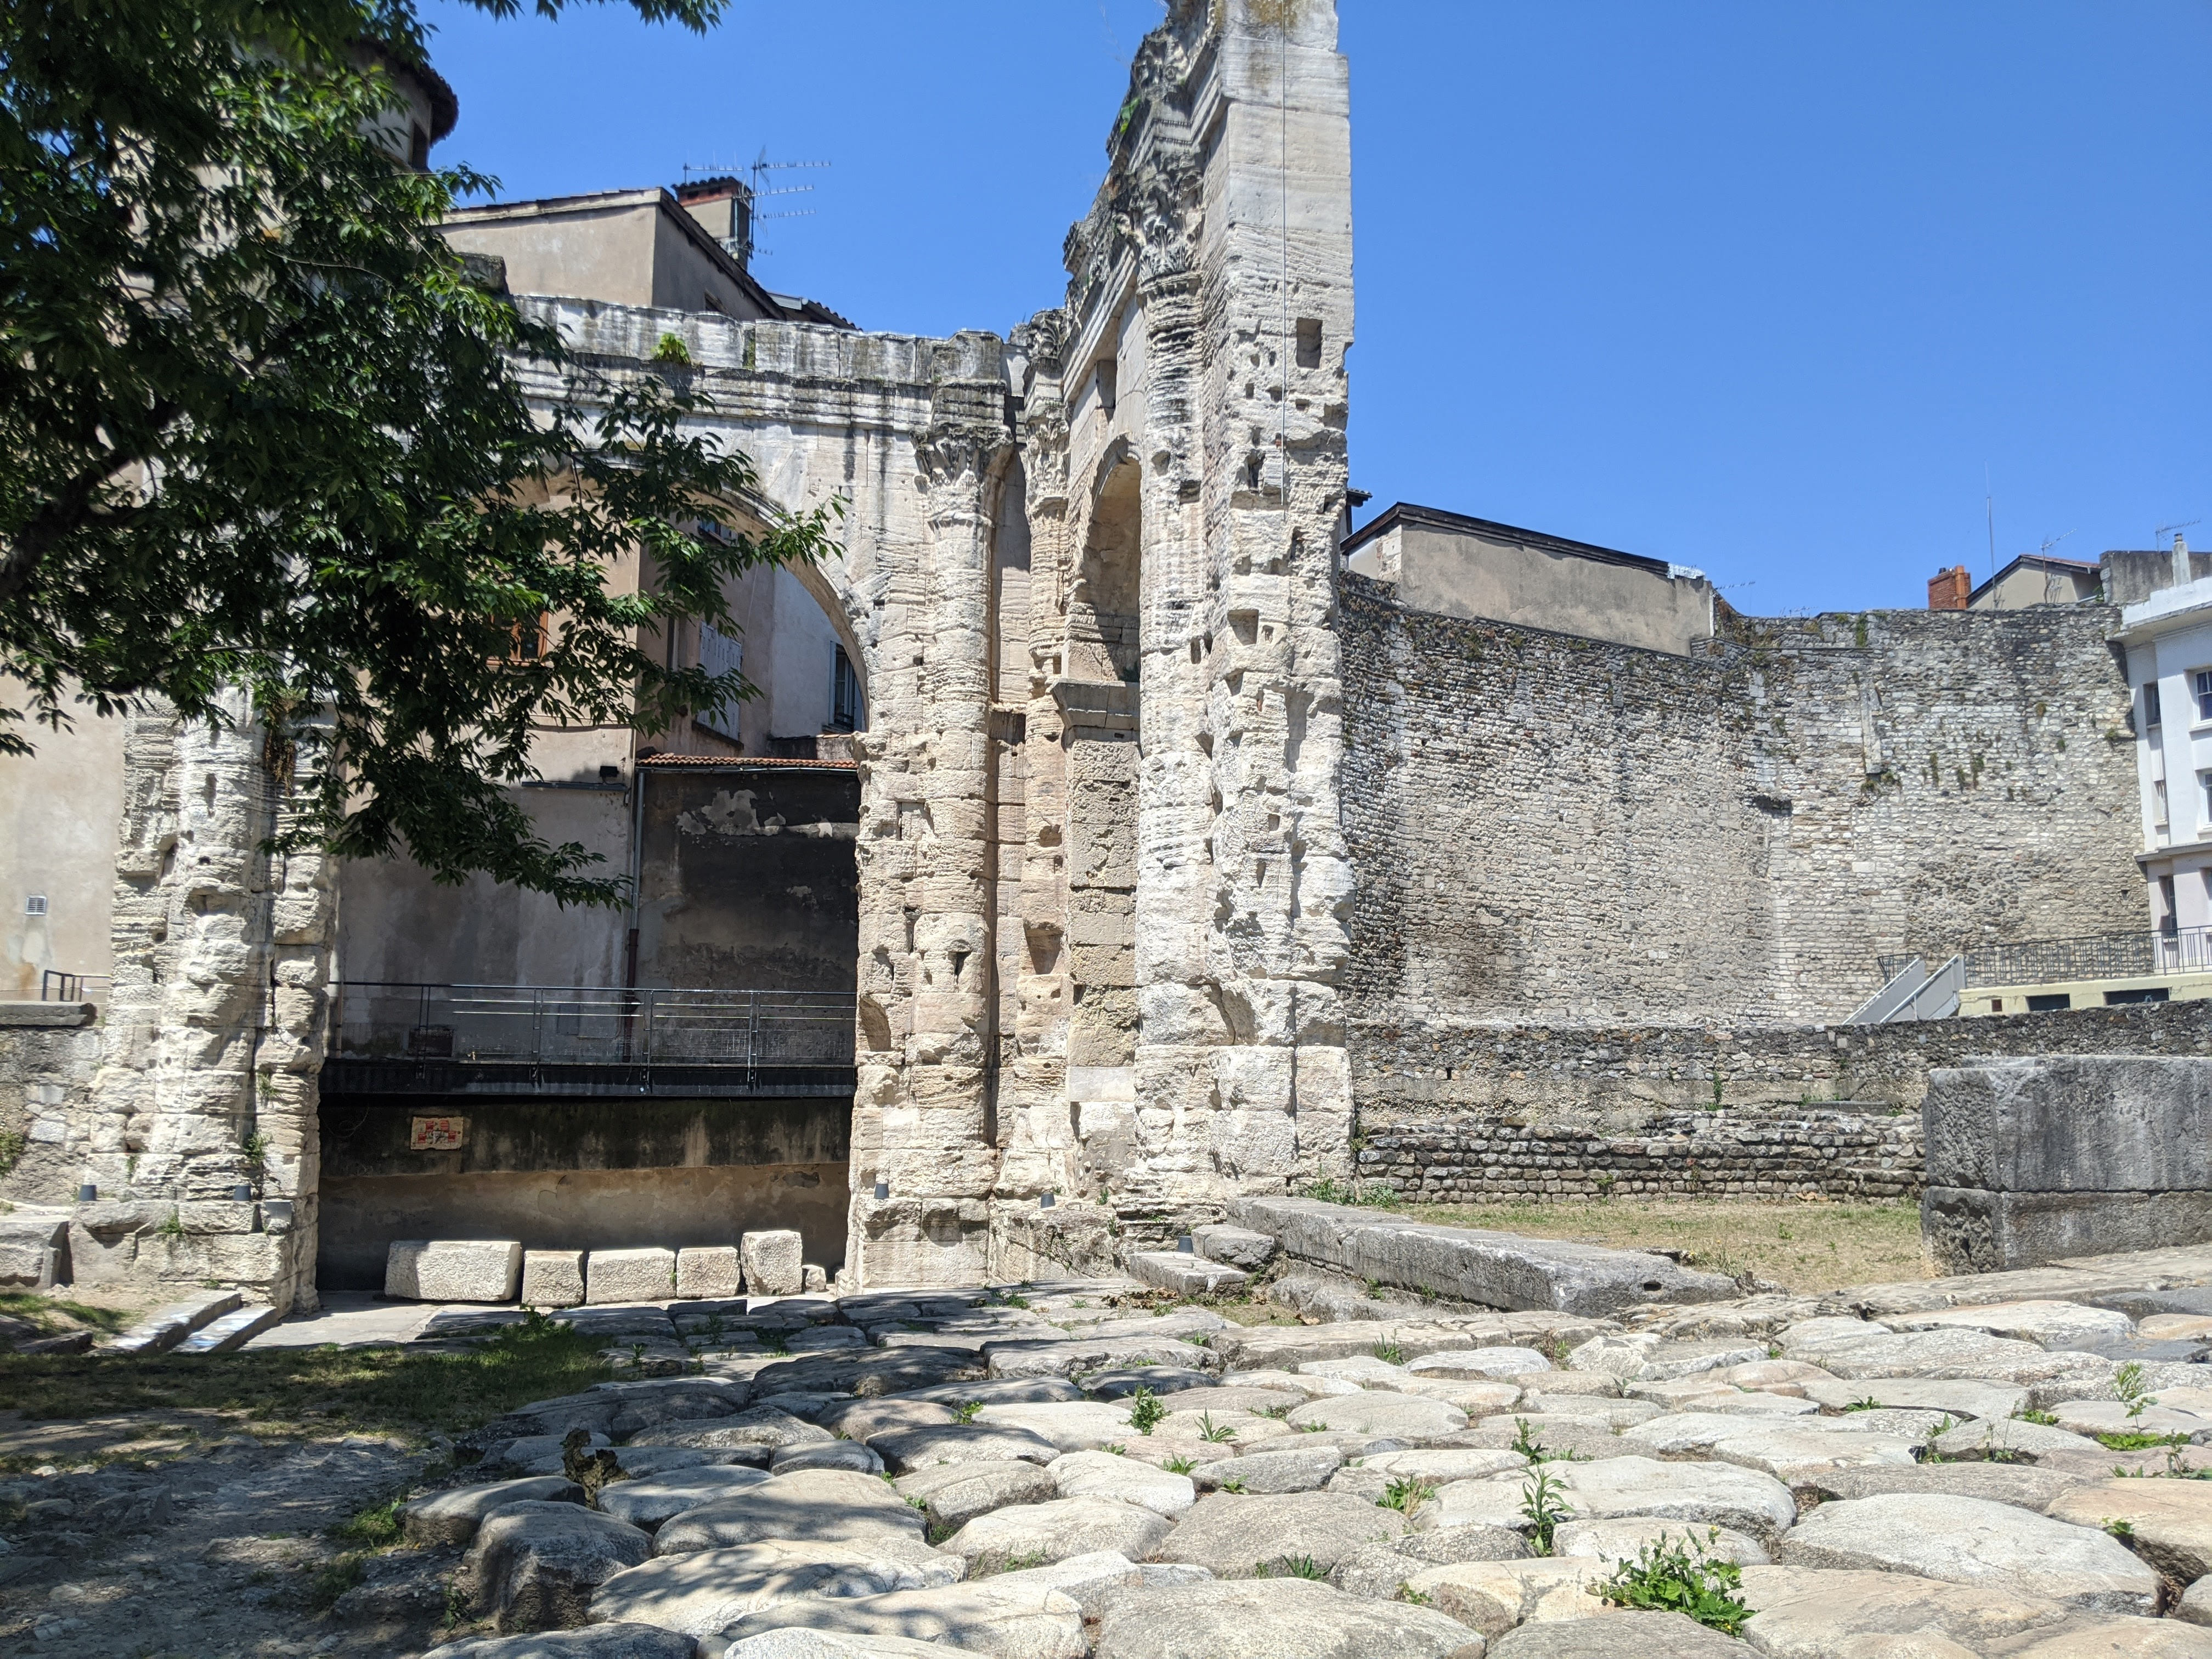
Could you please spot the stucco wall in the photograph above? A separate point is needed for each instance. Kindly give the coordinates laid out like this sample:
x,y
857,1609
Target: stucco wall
x,y
1533,583
1552,829
58,810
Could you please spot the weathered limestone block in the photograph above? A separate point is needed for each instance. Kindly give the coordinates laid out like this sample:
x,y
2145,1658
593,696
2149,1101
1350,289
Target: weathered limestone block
x,y
453,1270
773,1263
708,1271
641,1275
553,1278
2030,1160
1499,1270
33,1251
1239,1247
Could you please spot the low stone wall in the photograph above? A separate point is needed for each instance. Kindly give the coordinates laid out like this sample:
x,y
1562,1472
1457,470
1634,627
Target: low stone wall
x,y
1480,1113
1831,1151
48,1053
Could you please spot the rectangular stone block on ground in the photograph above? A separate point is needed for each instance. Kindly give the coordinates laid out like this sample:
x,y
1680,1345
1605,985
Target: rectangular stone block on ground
x,y
34,1251
163,1329
1974,1230
2121,1123
453,1270
1186,1275
646,1275
1495,1269
1238,1247
708,1271
773,1262
2033,1160
553,1278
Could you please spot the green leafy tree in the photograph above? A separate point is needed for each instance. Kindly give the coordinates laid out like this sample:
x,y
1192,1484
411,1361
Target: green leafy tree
x,y
265,433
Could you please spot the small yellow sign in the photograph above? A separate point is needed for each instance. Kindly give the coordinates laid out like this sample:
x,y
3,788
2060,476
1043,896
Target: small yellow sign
x,y
438,1134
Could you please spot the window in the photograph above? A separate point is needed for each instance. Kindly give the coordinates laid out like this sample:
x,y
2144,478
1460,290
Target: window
x,y
2158,812
721,653
34,904
845,712
2202,679
2150,707
2049,1002
2147,993
2168,923
2204,780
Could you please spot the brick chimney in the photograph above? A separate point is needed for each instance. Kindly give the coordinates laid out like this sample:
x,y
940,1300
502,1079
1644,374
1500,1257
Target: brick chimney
x,y
1948,589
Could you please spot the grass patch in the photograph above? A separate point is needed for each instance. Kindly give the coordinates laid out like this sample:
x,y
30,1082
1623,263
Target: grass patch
x,y
2126,1441
366,1390
331,1581
57,1318
1406,1494
1806,1247
1145,1411
374,1528
1544,1507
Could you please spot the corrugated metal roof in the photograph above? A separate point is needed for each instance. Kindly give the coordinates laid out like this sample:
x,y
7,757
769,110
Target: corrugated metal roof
x,y
744,762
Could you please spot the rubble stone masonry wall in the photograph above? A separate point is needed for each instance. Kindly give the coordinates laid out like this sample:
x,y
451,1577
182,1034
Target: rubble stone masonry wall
x,y
1550,828
1461,1114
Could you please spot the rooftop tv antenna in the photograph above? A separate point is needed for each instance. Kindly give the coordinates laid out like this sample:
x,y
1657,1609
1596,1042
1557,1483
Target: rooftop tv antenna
x,y
756,177
2051,542
735,230
2166,530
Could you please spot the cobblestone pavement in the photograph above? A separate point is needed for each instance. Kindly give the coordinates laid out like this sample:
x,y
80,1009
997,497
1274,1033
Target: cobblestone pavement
x,y
1057,1471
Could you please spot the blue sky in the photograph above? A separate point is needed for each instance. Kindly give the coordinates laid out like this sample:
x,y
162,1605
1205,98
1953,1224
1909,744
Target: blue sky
x,y
1762,288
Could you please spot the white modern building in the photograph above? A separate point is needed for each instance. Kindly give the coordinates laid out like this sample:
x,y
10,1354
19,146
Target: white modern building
x,y
2167,637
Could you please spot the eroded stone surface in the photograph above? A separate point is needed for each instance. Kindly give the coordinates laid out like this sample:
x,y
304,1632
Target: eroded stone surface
x,y
1968,1541
1270,1619
1033,1534
1234,1536
701,1591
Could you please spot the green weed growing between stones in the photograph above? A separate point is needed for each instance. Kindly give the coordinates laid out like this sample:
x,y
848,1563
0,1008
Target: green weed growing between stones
x,y
1546,1507
1685,1578
1406,1495
1145,1411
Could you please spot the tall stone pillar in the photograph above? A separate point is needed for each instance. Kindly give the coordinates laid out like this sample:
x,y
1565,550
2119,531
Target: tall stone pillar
x,y
1272,396
216,1023
1201,357
920,1120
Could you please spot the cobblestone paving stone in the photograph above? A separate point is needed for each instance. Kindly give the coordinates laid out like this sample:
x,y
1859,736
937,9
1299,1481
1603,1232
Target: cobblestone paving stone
x,y
1080,1512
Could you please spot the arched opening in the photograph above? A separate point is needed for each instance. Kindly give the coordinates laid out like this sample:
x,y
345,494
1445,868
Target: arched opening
x,y
673,1072
1099,734
1102,607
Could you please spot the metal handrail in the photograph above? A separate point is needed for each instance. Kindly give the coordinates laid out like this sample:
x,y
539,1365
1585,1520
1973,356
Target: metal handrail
x,y
589,1024
2099,956
55,986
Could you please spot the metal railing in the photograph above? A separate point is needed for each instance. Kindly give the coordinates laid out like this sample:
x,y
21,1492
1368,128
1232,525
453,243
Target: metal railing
x,y
55,986
2098,955
406,1037
2102,956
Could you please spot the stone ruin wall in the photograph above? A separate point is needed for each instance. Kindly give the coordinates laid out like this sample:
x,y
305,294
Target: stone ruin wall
x,y
199,1084
1610,900
1482,1114
1105,895
1557,830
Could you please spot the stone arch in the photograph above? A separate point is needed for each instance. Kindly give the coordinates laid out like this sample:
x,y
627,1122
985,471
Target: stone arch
x,y
1104,643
